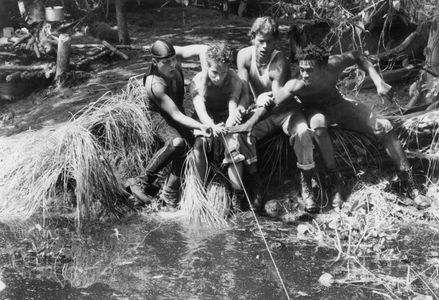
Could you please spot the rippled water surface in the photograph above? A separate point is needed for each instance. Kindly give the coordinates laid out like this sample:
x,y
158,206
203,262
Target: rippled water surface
x,y
161,258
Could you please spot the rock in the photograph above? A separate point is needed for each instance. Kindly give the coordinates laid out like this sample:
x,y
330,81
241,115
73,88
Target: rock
x,y
422,202
273,209
326,279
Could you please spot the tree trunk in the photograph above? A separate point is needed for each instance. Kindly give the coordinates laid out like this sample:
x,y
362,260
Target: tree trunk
x,y
122,25
426,89
63,57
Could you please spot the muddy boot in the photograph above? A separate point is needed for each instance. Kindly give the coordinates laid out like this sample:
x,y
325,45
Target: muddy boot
x,y
140,189
237,201
336,187
407,186
307,193
169,198
256,192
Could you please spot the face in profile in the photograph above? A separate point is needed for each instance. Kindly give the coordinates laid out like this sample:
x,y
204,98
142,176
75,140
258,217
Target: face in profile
x,y
264,44
308,71
217,72
167,66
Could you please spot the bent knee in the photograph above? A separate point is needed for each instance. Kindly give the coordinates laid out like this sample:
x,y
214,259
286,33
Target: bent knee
x,y
178,143
317,121
382,127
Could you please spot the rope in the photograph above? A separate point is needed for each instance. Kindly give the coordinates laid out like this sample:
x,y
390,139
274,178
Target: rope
x,y
257,222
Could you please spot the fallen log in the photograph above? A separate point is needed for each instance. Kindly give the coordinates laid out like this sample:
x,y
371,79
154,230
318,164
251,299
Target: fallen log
x,y
24,68
392,76
86,61
114,50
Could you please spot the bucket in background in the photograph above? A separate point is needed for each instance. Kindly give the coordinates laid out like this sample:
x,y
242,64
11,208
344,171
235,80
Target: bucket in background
x,y
54,13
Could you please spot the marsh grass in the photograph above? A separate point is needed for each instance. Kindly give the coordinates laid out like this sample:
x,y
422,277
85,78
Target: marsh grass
x,y
196,205
68,160
122,125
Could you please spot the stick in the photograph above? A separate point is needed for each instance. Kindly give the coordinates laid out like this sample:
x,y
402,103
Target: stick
x,y
90,59
114,50
21,40
24,68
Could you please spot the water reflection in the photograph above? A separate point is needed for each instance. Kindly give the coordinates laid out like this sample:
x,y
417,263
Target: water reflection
x,y
147,257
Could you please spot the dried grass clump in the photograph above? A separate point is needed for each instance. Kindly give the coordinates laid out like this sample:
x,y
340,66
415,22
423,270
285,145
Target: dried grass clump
x,y
196,205
218,193
68,160
122,126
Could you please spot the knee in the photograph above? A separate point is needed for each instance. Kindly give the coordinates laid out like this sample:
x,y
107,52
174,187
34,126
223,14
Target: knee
x,y
317,121
178,144
384,129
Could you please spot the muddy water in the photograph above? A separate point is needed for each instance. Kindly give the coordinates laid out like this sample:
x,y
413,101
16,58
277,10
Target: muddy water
x,y
147,257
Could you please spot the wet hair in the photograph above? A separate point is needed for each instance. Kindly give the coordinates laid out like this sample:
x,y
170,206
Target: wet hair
x,y
313,52
162,49
219,53
264,25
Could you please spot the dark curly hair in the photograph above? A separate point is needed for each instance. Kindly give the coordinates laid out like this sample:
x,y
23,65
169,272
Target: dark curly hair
x,y
264,25
313,52
220,53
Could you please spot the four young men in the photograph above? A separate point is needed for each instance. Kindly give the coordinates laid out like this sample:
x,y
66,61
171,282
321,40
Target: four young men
x,y
301,107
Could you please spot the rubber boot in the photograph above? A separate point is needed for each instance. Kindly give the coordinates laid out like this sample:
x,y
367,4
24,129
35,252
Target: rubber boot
x,y
169,195
307,193
256,191
407,186
236,201
140,189
336,186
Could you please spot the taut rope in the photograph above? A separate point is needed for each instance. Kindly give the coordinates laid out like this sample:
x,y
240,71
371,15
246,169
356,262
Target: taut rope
x,y
257,222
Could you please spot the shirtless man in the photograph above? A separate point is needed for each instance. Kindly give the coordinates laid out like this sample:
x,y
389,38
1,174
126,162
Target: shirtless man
x,y
165,92
264,71
324,105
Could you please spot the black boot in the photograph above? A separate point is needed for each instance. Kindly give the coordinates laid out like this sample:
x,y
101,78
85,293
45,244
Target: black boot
x,y
237,201
140,187
170,193
335,181
256,192
406,184
307,193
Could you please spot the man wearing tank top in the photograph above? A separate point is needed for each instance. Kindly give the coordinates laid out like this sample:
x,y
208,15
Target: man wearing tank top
x,y
264,70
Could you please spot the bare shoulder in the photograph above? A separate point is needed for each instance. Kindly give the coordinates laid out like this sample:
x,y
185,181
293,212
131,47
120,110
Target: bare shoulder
x,y
190,50
155,86
343,60
244,56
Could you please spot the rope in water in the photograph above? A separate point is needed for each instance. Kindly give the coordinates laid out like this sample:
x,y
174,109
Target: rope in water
x,y
257,222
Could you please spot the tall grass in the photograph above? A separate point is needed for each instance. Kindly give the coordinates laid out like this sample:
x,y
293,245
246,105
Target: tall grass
x,y
79,158
196,205
123,127
69,160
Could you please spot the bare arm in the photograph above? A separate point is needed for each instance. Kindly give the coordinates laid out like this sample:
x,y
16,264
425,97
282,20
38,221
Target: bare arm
x,y
190,51
344,60
234,99
241,62
279,73
168,106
